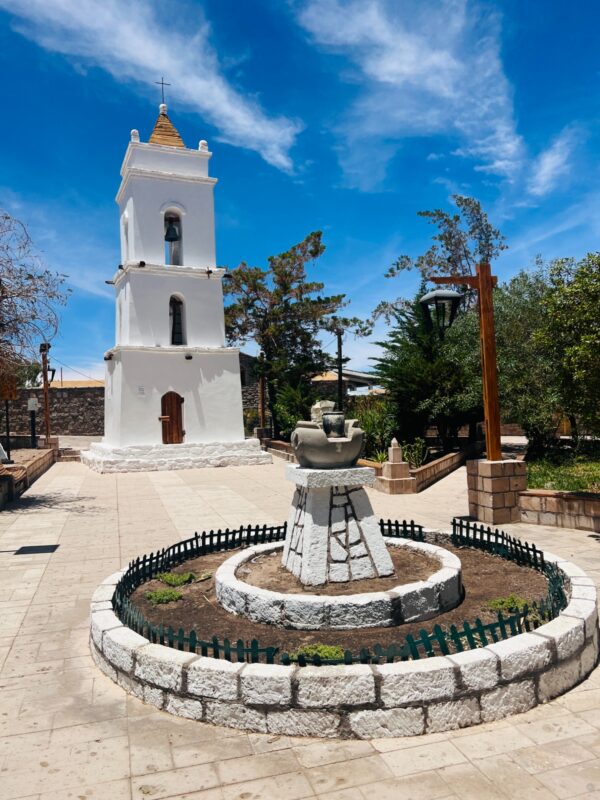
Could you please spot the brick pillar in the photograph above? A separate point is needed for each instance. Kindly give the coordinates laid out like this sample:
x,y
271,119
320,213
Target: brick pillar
x,y
396,477
494,488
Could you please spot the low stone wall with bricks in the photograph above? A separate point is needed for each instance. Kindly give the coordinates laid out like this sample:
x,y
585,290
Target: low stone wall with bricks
x,y
74,411
494,488
359,701
561,509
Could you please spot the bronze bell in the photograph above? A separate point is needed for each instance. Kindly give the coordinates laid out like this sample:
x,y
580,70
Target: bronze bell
x,y
171,234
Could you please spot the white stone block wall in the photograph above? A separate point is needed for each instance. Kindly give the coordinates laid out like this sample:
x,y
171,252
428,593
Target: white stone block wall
x,y
406,602
358,701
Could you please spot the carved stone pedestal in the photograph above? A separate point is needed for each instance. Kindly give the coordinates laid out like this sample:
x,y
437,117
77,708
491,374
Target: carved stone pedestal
x,y
396,477
333,534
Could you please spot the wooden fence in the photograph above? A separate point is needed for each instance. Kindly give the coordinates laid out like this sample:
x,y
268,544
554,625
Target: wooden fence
x,y
439,641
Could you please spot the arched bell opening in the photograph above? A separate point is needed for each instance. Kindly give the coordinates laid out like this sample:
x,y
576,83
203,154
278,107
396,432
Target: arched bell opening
x,y
171,406
173,239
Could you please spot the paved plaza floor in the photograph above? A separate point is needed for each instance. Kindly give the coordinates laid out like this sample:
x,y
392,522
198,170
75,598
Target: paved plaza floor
x,y
66,731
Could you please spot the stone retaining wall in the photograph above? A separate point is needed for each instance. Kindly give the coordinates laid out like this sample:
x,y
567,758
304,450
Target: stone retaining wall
x,y
436,470
408,602
359,701
74,411
39,464
560,509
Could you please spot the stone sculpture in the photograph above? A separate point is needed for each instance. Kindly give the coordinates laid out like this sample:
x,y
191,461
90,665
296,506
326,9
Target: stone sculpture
x,y
333,534
313,449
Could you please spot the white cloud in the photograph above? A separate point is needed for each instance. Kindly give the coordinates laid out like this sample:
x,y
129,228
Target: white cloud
x,y
424,69
132,42
553,164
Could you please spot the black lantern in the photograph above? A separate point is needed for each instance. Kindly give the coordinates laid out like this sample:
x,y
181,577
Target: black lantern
x,y
171,234
446,303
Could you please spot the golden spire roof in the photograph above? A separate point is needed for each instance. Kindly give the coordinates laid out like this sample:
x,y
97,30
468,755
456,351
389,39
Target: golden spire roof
x,y
164,131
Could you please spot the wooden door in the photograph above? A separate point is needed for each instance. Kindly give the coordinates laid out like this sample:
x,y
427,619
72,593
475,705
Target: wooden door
x,y
171,418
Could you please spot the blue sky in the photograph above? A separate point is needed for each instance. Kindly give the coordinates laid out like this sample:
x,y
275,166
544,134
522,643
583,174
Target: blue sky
x,y
343,116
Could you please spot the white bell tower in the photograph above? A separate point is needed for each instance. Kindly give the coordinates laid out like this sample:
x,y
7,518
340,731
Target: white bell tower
x,y
173,394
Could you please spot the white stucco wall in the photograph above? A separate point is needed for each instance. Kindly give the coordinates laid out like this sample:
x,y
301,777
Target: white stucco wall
x,y
157,179
210,384
143,307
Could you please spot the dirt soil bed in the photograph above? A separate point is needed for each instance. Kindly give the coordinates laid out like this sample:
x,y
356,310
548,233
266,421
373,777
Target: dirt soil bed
x,y
486,577
266,571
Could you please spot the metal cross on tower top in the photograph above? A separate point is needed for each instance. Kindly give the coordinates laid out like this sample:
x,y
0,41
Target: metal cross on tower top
x,y
162,85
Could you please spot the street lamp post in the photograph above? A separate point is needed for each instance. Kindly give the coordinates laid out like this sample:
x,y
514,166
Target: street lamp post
x,y
484,282
494,484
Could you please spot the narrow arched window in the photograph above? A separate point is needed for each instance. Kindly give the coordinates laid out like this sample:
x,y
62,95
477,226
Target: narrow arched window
x,y
176,319
173,240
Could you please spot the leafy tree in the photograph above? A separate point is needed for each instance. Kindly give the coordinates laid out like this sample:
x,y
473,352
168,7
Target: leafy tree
x,y
293,403
376,418
425,378
463,239
283,312
527,376
29,375
570,337
29,296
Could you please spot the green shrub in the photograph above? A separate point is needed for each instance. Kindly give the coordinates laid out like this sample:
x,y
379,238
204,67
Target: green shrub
x,y
508,604
251,420
375,417
176,578
324,651
160,596
380,456
415,453
293,403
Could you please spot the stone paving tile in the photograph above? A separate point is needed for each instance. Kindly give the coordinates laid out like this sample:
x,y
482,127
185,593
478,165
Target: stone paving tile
x,y
422,758
491,742
290,785
57,709
424,786
573,780
348,774
329,752
515,782
204,752
107,790
553,754
468,783
549,730
172,783
247,768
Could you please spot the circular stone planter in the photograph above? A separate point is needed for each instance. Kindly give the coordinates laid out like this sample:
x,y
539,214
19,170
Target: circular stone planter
x,y
407,602
359,701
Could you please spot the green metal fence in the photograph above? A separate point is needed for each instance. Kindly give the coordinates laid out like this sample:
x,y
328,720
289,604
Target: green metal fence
x,y
437,641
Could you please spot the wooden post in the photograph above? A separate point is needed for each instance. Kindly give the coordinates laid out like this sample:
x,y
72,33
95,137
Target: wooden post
x,y
262,415
484,283
44,351
340,378
491,403
7,412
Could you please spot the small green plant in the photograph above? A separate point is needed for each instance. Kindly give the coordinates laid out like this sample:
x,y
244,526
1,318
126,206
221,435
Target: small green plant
x,y
380,457
415,453
176,578
512,605
325,652
161,596
508,604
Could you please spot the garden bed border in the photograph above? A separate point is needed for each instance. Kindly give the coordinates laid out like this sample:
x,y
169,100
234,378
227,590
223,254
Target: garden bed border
x,y
407,602
360,700
580,510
